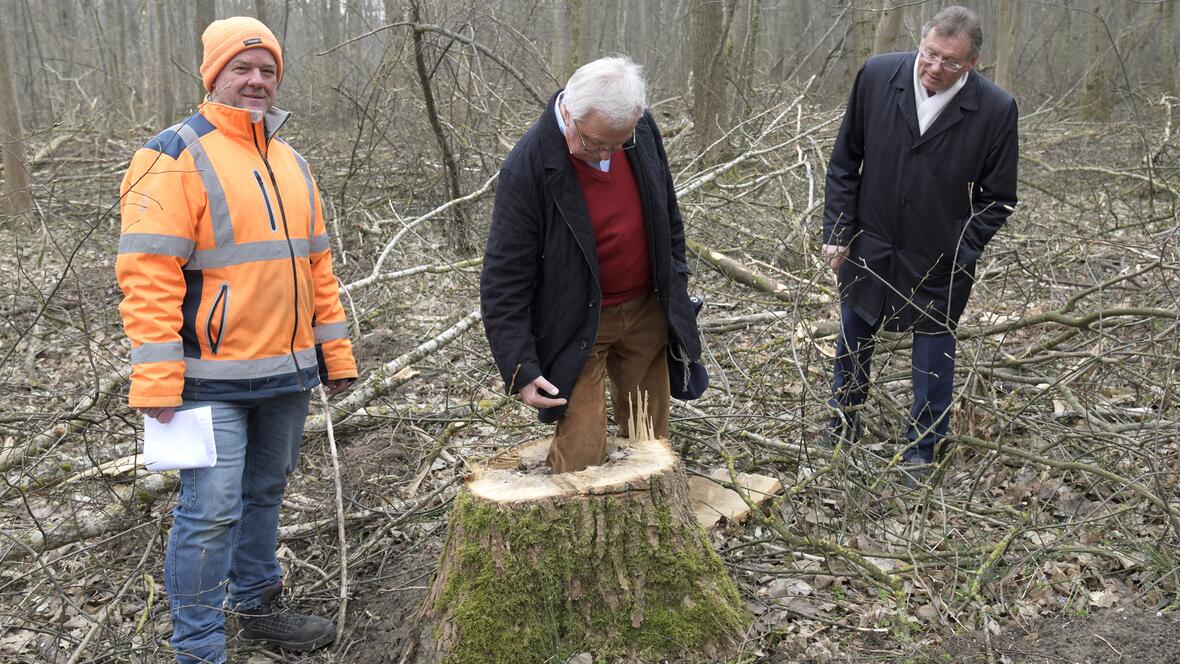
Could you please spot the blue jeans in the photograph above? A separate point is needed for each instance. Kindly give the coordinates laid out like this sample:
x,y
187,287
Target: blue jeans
x,y
225,525
932,375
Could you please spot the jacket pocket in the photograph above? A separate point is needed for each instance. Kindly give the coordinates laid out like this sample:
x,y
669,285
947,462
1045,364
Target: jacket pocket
x,y
215,322
270,212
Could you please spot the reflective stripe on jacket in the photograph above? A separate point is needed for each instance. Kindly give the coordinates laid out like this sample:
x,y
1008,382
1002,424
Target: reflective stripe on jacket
x,y
225,265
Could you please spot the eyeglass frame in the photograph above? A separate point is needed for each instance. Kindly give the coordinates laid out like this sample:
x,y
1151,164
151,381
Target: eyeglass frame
x,y
591,150
949,65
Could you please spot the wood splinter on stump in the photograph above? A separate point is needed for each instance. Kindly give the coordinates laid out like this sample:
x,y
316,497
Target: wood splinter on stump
x,y
608,560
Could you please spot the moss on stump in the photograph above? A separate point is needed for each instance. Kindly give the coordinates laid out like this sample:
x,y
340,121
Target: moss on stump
x,y
608,560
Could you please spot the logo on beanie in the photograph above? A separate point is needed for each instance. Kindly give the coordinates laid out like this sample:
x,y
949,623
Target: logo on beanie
x,y
253,41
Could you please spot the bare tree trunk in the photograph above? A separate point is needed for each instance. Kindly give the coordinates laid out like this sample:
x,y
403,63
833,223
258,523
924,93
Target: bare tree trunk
x,y
710,27
888,26
748,56
582,37
1008,26
1167,22
457,233
111,36
1095,98
331,21
558,48
262,11
206,12
862,34
16,177
165,97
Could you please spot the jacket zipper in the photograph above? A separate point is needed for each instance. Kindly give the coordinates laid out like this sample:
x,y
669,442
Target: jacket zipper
x,y
222,299
290,248
266,199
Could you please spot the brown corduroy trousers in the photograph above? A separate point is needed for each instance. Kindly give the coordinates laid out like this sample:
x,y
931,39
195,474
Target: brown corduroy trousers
x,y
631,349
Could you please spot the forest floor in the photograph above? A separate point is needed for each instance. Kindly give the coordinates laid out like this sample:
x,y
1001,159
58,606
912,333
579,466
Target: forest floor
x,y
1049,534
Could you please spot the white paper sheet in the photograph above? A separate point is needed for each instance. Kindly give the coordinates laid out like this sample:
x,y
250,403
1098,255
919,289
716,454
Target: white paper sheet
x,y
186,441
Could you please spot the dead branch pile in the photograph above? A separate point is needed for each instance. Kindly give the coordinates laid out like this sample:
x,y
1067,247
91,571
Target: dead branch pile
x,y
1060,495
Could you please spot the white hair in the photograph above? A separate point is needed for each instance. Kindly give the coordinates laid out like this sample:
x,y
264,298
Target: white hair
x,y
611,87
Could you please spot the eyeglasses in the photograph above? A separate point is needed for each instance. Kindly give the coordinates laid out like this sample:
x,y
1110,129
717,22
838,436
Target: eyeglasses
x,y
954,67
599,149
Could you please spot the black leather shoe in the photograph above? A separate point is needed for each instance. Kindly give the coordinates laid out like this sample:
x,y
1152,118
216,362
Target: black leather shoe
x,y
274,622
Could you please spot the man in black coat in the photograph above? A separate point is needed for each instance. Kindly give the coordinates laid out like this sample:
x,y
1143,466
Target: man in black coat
x,y
584,273
922,176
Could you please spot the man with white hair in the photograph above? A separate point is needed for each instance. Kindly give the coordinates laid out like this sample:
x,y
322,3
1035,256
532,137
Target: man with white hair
x,y
584,274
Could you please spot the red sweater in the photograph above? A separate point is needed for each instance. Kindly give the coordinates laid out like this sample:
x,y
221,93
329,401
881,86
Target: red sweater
x,y
616,213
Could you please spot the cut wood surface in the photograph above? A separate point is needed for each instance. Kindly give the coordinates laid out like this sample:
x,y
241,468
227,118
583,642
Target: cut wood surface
x,y
712,501
608,560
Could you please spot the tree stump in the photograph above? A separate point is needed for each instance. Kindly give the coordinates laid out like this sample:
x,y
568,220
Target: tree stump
x,y
609,560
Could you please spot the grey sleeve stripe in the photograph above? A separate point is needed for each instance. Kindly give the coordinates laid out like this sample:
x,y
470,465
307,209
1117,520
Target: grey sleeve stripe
x,y
319,243
169,351
329,331
310,190
223,227
151,243
250,252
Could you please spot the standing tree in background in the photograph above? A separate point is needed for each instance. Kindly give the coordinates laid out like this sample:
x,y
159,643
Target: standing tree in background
x,y
16,175
888,26
206,12
710,29
1167,61
262,12
165,93
111,34
1007,31
745,75
458,234
1095,98
862,35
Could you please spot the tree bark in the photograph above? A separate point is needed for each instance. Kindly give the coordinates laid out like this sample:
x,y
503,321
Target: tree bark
x,y
111,37
888,26
1095,97
710,27
206,13
1167,23
748,57
862,36
17,198
609,560
262,11
1008,24
165,97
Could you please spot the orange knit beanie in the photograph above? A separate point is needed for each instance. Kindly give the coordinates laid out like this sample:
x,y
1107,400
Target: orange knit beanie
x,y
225,38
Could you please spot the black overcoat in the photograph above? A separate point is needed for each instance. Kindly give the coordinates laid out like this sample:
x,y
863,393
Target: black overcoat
x,y
539,289
917,210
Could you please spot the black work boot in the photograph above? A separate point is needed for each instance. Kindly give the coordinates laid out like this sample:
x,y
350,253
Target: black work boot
x,y
278,624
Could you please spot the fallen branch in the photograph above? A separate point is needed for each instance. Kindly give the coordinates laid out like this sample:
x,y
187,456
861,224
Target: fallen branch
x,y
384,379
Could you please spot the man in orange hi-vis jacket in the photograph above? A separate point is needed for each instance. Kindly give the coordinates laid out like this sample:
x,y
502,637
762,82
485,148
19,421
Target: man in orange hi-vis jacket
x,y
230,302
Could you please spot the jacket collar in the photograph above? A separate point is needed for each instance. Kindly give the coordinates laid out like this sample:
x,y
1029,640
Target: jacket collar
x,y
241,122
562,183
903,82
554,151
